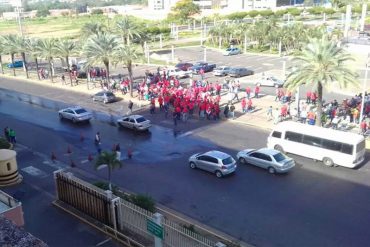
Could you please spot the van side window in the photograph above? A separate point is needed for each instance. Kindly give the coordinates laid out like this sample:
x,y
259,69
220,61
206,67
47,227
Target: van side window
x,y
276,134
347,148
294,137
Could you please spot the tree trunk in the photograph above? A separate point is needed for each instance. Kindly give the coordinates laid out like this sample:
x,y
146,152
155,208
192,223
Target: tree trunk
x,y
109,177
25,64
129,68
319,104
1,65
51,71
37,68
12,58
107,68
69,70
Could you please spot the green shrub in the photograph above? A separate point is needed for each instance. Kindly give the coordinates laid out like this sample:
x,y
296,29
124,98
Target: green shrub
x,y
143,201
105,186
4,144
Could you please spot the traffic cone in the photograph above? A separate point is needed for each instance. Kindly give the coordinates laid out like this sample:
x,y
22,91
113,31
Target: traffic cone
x,y
53,157
69,150
72,163
82,138
90,158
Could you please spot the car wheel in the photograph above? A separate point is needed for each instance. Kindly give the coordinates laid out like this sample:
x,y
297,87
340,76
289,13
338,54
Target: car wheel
x,y
192,165
327,161
74,120
271,170
242,160
279,148
60,116
218,174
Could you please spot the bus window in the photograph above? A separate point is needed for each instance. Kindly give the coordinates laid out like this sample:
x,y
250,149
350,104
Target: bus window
x,y
347,148
276,134
311,140
331,145
294,137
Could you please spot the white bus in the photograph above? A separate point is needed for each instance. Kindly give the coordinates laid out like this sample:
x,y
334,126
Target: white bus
x,y
332,147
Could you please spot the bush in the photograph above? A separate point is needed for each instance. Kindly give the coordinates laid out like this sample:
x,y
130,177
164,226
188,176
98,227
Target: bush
x,y
237,16
4,144
143,201
97,12
105,186
294,11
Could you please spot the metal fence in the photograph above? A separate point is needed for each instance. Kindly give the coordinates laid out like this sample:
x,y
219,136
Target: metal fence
x,y
122,216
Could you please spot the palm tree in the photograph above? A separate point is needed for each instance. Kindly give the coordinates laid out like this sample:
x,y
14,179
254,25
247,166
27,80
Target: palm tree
x,y
2,51
10,47
20,43
127,29
109,160
99,49
92,28
321,63
126,54
65,48
32,45
47,50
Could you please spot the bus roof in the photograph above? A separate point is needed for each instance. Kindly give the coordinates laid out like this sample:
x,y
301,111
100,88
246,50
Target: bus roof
x,y
331,134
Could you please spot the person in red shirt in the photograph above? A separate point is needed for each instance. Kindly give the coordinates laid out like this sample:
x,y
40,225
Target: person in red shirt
x,y
185,114
248,91
218,88
313,98
363,126
250,105
256,91
244,105
308,97
160,102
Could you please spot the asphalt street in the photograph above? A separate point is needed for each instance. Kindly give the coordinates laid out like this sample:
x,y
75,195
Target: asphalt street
x,y
311,206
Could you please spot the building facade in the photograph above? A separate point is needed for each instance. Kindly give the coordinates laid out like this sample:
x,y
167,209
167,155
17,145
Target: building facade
x,y
165,5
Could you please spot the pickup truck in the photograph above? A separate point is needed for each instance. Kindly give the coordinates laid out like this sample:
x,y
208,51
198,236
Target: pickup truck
x,y
178,73
207,67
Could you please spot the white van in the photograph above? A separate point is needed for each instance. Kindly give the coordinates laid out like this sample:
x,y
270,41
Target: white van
x,y
332,147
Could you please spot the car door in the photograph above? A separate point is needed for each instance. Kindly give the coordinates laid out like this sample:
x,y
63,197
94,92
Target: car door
x,y
69,114
265,160
201,161
254,159
99,96
132,123
212,164
125,122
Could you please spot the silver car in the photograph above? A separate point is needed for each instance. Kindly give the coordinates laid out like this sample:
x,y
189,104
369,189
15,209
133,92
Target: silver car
x,y
270,159
75,113
104,96
136,122
221,71
216,162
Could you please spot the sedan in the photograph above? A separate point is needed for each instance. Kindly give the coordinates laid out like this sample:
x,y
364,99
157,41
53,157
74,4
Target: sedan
x,y
184,66
239,72
270,159
270,81
221,71
135,122
16,64
75,113
105,97
216,162
232,51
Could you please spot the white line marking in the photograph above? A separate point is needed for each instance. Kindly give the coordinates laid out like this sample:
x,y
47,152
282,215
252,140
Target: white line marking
x,y
84,161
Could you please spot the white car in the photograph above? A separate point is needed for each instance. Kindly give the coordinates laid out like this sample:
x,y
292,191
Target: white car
x,y
221,71
270,81
75,113
135,122
178,73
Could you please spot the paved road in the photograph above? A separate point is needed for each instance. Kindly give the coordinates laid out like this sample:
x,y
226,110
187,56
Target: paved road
x,y
312,206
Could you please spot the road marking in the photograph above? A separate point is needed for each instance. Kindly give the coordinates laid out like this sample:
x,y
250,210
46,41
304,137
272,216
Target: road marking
x,y
34,171
103,242
55,164
267,64
84,161
185,134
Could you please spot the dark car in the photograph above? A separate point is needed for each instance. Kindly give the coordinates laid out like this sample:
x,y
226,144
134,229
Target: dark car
x,y
207,67
184,66
16,64
239,72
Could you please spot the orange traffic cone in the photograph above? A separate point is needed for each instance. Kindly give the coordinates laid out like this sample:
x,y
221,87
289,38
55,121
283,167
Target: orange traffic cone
x,y
69,150
90,158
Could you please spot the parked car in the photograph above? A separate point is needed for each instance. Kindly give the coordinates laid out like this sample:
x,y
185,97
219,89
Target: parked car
x,y
239,72
232,51
75,113
184,66
16,64
221,71
270,81
104,96
272,160
215,162
207,67
178,73
136,122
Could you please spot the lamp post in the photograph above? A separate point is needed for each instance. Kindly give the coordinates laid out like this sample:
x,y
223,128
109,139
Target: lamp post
x,y
364,89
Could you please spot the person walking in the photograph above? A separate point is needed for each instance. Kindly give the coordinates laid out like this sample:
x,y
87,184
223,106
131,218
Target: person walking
x,y
256,91
232,111
250,105
12,136
6,133
269,113
244,105
130,105
63,80
97,142
363,126
248,91
118,151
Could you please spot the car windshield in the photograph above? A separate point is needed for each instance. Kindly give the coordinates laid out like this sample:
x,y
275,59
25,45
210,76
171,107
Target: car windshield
x,y
279,157
140,119
80,111
227,161
198,64
109,94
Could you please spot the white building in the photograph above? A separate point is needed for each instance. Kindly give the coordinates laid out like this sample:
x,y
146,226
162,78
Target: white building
x,y
212,4
246,5
165,5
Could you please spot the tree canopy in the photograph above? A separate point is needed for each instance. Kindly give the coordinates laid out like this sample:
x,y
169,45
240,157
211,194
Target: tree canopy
x,y
183,10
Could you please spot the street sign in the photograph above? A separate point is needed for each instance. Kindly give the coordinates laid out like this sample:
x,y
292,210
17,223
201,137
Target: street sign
x,y
154,228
